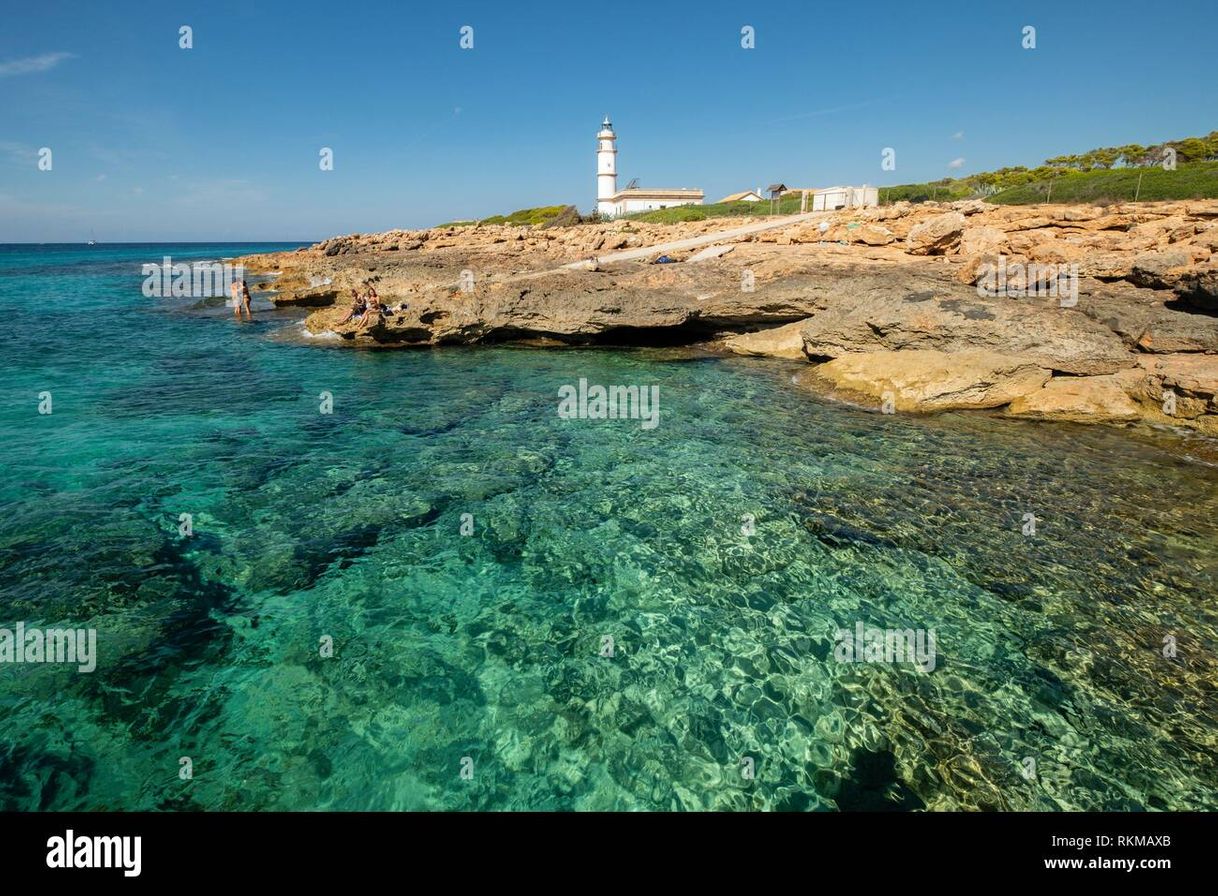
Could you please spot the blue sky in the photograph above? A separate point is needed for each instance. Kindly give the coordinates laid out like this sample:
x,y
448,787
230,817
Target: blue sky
x,y
221,142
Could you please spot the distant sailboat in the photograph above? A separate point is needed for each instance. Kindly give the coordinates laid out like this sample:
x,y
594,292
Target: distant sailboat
x,y
92,242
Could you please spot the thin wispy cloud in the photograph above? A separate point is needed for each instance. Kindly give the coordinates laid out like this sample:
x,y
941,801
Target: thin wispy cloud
x,y
30,65
959,135
18,153
833,110
956,163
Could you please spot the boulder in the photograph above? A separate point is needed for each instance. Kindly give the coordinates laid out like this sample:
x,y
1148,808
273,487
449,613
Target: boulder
x,y
1159,270
315,297
1055,251
982,239
777,342
936,236
971,206
872,235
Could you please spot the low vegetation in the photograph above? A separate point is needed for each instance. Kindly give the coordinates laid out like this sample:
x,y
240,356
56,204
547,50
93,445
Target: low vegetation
x,y
1195,180
541,216
1175,169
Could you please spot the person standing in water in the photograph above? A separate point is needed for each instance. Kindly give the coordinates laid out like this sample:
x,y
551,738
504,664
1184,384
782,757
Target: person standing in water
x,y
241,299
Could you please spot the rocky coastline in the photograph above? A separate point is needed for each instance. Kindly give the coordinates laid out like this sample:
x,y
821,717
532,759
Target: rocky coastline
x,y
1059,312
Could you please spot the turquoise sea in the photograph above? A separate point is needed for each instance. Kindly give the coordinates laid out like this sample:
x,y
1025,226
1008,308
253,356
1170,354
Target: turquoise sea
x,y
639,618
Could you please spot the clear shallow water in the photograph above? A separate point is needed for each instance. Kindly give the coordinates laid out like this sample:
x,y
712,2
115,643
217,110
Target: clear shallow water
x,y
487,646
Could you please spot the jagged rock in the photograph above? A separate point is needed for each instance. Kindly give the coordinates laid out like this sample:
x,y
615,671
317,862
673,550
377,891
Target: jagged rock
x,y
1075,214
1173,331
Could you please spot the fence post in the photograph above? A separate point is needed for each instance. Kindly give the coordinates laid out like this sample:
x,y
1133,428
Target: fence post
x,y
1138,190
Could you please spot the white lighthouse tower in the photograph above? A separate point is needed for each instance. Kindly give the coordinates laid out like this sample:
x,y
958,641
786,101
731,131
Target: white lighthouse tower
x,y
606,168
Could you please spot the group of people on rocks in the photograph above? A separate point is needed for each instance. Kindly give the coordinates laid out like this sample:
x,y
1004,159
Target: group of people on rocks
x,y
367,304
364,305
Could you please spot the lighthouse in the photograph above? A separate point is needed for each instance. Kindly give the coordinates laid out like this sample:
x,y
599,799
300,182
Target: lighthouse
x,y
611,202
606,168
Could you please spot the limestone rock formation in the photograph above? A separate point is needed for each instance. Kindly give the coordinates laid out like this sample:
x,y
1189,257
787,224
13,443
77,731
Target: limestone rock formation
x,y
948,318
922,380
896,298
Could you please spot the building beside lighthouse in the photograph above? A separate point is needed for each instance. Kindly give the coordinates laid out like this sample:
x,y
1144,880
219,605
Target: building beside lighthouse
x,y
611,202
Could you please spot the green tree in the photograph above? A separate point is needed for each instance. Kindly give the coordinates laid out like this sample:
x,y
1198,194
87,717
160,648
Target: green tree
x,y
1132,154
1190,149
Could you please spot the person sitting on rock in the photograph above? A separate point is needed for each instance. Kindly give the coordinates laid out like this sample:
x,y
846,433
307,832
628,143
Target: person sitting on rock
x,y
374,306
358,306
